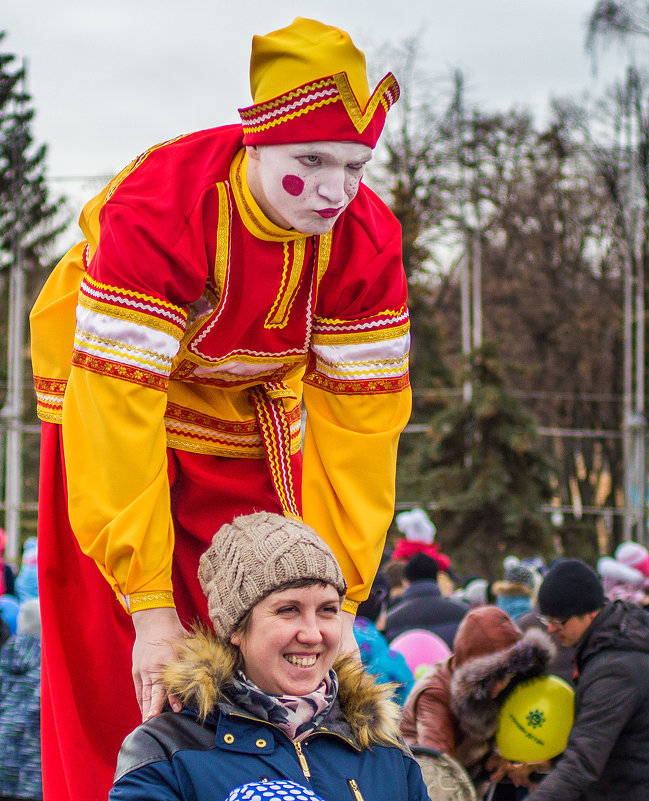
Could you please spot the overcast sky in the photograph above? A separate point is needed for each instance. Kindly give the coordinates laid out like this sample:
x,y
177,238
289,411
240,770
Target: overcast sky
x,y
109,79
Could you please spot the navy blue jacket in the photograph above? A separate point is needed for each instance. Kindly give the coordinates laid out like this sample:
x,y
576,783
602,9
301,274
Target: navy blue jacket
x,y
174,757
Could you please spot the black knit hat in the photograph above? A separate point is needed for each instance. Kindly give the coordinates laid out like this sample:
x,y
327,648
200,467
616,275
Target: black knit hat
x,y
570,587
420,566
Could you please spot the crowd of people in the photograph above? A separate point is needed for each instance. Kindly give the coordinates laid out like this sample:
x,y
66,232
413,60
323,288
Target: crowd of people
x,y
20,677
588,627
270,666
273,613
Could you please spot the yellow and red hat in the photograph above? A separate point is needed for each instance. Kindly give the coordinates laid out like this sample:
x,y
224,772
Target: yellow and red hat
x,y
309,82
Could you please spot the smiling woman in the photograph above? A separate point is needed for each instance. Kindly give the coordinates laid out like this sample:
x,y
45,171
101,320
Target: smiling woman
x,y
291,639
268,697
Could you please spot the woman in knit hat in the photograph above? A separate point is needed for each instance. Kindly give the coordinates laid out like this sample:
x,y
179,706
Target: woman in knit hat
x,y
267,697
224,275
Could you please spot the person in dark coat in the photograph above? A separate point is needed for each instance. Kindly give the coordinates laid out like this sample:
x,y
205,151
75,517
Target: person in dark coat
x,y
607,755
20,709
422,605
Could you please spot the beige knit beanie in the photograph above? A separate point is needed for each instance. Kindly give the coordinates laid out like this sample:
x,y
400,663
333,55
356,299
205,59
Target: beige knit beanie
x,y
255,555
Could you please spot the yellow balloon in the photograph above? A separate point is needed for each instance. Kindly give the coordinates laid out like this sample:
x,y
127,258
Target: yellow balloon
x,y
535,720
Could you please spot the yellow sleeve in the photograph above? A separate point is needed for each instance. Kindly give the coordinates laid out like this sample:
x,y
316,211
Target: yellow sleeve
x,y
118,489
348,492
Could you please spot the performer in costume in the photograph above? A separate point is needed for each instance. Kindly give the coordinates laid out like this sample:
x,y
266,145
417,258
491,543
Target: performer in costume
x,y
226,277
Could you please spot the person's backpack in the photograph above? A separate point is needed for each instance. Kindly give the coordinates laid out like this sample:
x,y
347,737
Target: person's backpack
x,y
445,778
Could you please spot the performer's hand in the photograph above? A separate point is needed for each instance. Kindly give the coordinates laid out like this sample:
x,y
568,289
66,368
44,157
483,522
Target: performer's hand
x,y
156,632
348,644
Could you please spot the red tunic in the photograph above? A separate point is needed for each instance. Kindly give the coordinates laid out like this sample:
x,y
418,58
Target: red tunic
x,y
200,328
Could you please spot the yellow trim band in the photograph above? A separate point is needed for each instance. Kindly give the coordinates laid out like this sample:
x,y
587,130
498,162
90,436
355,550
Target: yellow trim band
x,y
150,600
350,606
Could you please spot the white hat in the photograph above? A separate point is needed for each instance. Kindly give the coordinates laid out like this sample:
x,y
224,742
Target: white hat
x,y
416,526
634,555
613,570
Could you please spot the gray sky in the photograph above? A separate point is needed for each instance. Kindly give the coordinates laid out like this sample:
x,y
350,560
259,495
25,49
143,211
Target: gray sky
x,y
109,79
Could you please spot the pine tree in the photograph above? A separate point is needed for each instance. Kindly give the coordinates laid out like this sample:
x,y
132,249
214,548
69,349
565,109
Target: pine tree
x,y
25,206
29,224
482,470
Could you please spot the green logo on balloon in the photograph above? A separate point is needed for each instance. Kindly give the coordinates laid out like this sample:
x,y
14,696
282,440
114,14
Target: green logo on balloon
x,y
535,718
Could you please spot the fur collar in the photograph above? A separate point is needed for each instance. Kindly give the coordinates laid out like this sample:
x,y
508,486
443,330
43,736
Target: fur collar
x,y
473,682
205,664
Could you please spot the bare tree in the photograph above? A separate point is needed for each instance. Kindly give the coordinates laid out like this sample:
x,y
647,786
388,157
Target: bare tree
x,y
617,21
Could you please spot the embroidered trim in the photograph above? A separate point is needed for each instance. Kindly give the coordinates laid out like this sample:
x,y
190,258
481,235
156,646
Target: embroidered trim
x,y
374,386
148,600
224,375
324,255
350,606
287,107
294,94
201,433
50,386
131,316
222,256
181,441
276,438
152,312
291,274
332,89
397,315
358,336
122,371
365,360
344,370
113,347
49,398
50,414
389,324
386,93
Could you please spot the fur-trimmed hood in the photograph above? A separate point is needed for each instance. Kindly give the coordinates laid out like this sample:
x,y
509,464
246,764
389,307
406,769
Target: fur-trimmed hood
x,y
205,665
473,682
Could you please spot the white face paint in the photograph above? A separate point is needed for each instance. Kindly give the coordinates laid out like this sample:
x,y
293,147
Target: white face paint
x,y
306,186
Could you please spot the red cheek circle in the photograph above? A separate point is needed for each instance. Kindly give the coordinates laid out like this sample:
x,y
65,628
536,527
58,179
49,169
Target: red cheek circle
x,y
293,185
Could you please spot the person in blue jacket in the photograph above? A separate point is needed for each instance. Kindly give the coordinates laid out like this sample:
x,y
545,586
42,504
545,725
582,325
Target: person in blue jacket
x,y
380,660
20,709
26,583
266,696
